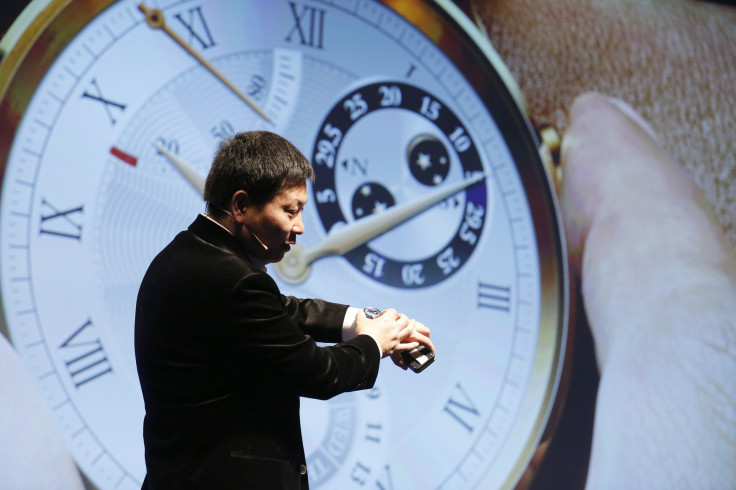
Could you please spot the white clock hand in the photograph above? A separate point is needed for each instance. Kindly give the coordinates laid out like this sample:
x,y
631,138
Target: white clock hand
x,y
295,266
187,171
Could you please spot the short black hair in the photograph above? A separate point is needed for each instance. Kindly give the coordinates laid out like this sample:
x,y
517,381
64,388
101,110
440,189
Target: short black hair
x,y
259,162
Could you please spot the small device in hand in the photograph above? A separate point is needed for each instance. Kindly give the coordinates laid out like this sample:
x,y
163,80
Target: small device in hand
x,y
418,359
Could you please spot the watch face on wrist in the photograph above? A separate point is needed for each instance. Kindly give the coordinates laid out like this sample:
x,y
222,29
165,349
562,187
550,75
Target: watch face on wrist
x,y
372,312
430,198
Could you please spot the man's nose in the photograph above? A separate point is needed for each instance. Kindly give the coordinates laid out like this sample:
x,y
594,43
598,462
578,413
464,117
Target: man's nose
x,y
299,225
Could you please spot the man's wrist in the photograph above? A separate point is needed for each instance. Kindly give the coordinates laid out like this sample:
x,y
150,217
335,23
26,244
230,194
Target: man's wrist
x,y
350,324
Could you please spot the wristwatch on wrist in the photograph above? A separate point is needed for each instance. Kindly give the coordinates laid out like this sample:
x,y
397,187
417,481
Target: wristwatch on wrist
x,y
371,312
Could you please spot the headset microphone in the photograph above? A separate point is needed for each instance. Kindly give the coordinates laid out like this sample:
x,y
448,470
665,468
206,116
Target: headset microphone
x,y
217,206
256,237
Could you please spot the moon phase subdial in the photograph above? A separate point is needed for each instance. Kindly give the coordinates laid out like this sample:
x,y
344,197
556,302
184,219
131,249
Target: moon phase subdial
x,y
428,159
371,198
422,148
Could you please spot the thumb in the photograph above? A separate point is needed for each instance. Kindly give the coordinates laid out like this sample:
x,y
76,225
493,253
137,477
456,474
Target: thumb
x,y
638,229
658,280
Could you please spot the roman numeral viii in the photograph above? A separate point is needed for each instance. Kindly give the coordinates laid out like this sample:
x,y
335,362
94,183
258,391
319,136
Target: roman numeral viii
x,y
84,356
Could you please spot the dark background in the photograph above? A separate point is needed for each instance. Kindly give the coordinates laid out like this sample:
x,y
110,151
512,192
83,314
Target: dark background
x,y
9,10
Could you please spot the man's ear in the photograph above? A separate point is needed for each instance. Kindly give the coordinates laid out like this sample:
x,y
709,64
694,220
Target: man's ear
x,y
240,203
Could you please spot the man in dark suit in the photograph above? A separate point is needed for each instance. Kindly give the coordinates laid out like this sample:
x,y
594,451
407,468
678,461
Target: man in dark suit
x,y
222,355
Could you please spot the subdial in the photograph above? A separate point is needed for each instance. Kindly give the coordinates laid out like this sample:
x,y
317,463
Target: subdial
x,y
428,160
371,198
424,151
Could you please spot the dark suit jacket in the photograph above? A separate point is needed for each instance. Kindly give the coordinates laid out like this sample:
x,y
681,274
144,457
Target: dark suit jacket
x,y
223,358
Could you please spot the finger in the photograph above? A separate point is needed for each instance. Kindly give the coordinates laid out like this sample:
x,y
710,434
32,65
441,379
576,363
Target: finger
x,y
405,346
420,327
426,341
405,331
25,418
390,313
630,47
659,289
629,208
421,339
405,326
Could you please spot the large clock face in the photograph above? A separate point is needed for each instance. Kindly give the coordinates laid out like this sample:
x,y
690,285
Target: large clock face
x,y
430,197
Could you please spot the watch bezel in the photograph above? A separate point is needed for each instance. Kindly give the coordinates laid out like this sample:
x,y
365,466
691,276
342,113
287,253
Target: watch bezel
x,y
30,47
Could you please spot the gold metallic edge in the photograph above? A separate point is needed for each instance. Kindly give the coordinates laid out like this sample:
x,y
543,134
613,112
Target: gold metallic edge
x,y
62,20
26,57
32,53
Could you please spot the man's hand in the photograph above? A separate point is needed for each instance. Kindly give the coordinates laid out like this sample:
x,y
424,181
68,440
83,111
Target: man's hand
x,y
419,335
658,283
389,329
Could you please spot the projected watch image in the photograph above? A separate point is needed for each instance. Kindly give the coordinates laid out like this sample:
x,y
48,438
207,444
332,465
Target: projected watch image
x,y
430,197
